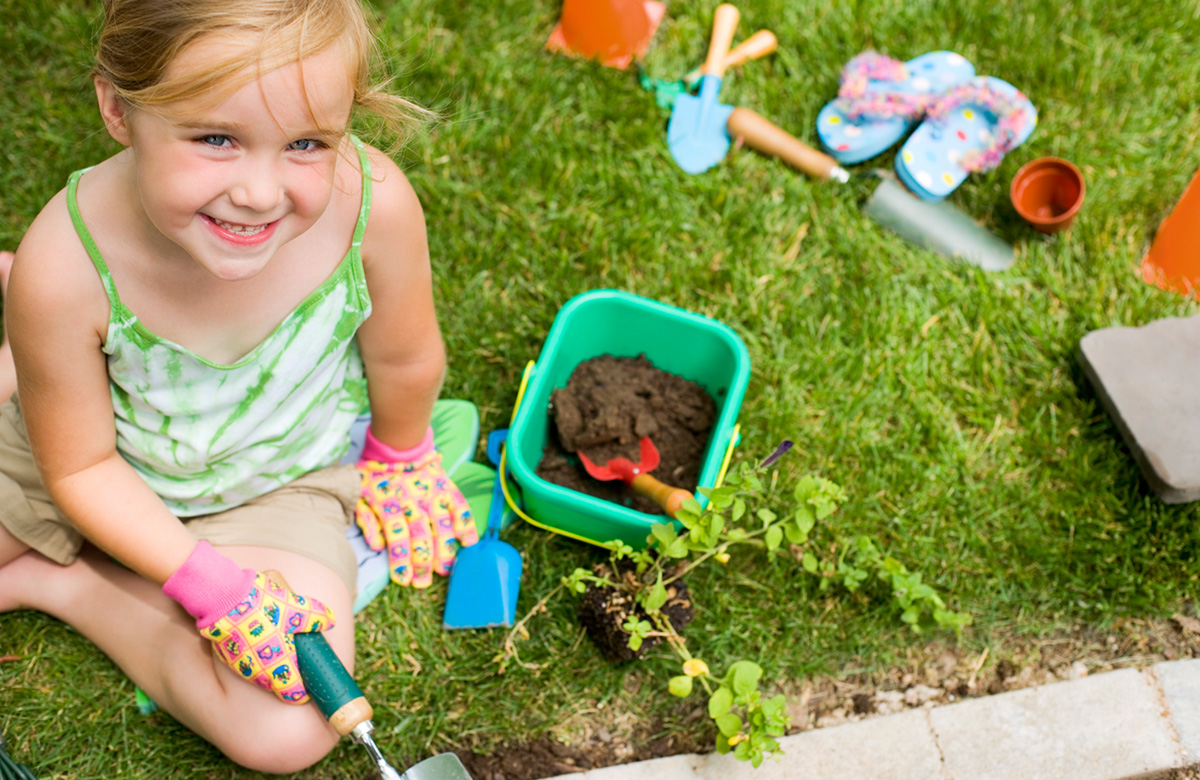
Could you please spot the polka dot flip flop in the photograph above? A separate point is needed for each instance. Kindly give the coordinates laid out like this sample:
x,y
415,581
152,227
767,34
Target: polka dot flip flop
x,y
968,129
880,99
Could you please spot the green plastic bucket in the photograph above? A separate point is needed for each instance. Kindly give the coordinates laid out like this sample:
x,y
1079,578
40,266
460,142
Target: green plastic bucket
x,y
611,322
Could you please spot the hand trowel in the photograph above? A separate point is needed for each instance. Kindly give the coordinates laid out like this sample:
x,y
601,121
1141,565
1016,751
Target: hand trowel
x,y
332,688
938,227
343,704
696,134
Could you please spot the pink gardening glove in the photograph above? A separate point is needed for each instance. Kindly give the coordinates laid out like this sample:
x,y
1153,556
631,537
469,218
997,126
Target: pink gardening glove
x,y
249,618
410,506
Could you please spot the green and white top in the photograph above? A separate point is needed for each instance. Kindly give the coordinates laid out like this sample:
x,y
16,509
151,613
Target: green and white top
x,y
207,437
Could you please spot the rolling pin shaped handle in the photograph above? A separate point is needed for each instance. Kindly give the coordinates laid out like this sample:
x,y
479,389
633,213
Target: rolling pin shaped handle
x,y
760,133
670,498
725,22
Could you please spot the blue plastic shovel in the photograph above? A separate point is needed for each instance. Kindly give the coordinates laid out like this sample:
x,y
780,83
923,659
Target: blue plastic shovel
x,y
697,134
486,577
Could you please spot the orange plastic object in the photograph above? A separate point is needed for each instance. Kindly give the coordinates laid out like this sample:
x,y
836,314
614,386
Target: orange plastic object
x,y
1048,192
1173,262
615,32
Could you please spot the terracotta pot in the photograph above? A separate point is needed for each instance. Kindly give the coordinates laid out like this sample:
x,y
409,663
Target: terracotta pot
x,y
1048,193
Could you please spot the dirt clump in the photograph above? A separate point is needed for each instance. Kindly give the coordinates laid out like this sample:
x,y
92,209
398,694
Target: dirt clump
x,y
608,405
603,610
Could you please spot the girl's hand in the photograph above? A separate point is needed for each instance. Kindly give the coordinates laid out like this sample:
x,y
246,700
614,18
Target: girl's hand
x,y
249,618
410,506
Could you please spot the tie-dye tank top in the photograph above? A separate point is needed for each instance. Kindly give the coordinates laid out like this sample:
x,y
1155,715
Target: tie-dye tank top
x,y
208,437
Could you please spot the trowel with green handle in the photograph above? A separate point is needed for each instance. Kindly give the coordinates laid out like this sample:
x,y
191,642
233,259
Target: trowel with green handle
x,y
343,704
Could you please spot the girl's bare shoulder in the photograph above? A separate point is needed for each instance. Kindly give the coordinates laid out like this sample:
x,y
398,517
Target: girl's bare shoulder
x,y
397,221
53,266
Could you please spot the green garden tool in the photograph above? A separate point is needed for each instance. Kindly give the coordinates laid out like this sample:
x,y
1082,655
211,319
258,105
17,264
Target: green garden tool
x,y
343,704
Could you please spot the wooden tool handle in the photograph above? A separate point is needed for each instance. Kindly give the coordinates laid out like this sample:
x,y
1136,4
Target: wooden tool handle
x,y
758,45
765,136
670,498
724,23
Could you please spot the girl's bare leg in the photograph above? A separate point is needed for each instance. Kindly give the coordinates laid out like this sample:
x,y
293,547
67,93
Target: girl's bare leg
x,y
8,371
155,642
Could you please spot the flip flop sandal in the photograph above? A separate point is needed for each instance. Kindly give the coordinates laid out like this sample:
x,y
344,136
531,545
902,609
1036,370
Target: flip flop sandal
x,y
968,129
880,99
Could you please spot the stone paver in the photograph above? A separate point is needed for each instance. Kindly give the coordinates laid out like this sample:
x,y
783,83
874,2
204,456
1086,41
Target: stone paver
x,y
1146,378
1180,681
1106,726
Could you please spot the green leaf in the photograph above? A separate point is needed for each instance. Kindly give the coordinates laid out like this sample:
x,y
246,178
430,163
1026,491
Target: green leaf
x,y
720,702
728,724
739,510
690,505
775,706
723,743
680,686
766,516
656,597
743,677
687,519
635,641
809,562
678,549
803,518
663,534
773,537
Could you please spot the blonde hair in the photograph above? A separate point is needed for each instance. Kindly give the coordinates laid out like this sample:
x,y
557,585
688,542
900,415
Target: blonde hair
x,y
140,39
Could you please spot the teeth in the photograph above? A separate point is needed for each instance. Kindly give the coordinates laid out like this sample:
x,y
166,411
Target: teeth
x,y
240,230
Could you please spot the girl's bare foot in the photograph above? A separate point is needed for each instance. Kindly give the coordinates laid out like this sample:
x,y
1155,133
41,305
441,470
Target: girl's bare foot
x,y
54,584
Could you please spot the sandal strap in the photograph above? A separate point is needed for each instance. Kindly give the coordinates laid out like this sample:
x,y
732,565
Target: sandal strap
x,y
1010,116
855,101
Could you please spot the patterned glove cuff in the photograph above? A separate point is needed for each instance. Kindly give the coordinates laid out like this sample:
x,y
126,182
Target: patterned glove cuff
x,y
208,585
376,450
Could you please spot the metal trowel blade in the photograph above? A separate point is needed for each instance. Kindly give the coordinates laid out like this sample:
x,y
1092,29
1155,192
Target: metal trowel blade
x,y
443,766
938,227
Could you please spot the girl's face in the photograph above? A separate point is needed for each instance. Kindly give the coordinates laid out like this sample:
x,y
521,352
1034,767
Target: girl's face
x,y
231,181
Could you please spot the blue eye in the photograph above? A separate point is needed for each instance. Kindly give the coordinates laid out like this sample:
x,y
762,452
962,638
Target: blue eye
x,y
215,140
306,145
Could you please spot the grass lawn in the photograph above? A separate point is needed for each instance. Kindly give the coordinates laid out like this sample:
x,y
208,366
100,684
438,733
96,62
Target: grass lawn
x,y
947,401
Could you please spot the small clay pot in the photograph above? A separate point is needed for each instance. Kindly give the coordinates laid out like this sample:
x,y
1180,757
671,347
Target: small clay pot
x,y
1048,193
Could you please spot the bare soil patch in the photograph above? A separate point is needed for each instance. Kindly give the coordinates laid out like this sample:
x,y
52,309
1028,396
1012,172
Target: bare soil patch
x,y
935,674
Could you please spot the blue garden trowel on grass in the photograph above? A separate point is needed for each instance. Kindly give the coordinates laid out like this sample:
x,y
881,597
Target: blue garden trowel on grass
x,y
697,134
486,576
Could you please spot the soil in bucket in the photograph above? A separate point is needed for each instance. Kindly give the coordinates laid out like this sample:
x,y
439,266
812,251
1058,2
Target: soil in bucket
x,y
608,405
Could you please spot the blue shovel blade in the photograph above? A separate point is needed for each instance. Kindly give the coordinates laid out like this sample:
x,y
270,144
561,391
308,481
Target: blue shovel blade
x,y
484,586
486,577
697,134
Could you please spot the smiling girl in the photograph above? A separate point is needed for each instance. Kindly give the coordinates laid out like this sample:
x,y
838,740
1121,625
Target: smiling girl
x,y
193,329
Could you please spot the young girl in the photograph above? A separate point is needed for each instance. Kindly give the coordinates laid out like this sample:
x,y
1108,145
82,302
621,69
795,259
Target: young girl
x,y
195,323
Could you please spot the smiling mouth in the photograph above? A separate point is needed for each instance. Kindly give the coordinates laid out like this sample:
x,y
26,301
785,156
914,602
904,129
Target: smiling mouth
x,y
239,230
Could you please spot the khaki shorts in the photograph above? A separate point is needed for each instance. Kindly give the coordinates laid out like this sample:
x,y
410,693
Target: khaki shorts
x,y
308,516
